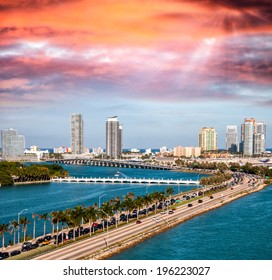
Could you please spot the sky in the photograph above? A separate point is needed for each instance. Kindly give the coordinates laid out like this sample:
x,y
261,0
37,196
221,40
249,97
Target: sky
x,y
166,68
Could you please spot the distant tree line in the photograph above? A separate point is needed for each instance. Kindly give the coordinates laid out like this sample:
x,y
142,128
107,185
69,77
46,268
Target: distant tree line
x,y
14,172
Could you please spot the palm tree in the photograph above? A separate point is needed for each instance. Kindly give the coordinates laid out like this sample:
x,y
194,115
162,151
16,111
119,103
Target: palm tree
x,y
34,216
156,198
15,227
147,200
56,217
24,222
79,215
128,204
169,191
44,217
90,215
107,208
139,203
117,206
3,230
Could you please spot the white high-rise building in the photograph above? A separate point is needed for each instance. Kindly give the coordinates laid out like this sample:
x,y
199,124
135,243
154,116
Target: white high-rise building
x,y
13,144
232,139
114,134
77,134
259,138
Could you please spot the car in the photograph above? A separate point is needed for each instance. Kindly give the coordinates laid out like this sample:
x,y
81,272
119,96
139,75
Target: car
x,y
4,255
170,212
163,212
231,188
15,253
200,201
190,205
211,197
156,219
34,246
138,222
45,242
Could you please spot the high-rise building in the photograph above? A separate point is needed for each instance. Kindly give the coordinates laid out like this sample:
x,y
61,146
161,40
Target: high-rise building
x,y
77,134
232,139
208,139
114,134
13,144
259,138
253,137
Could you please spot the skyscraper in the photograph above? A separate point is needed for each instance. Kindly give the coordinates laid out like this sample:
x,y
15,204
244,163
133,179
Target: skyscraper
x,y
232,139
259,138
248,128
114,135
13,144
208,139
77,133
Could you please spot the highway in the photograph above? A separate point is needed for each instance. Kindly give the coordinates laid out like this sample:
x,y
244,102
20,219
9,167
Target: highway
x,y
89,246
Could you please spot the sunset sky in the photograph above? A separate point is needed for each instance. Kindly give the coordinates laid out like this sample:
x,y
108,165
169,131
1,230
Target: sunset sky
x,y
166,68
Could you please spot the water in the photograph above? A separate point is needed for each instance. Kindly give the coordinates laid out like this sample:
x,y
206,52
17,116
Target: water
x,y
240,230
45,198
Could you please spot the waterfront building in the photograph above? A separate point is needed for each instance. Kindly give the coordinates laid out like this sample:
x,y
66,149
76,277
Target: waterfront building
x,y
259,138
148,151
114,134
207,139
180,151
77,134
97,151
13,144
35,151
232,139
247,136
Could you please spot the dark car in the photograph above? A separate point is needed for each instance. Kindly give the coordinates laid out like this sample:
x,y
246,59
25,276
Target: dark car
x,y
4,255
200,201
25,245
15,253
190,205
170,212
138,222
211,197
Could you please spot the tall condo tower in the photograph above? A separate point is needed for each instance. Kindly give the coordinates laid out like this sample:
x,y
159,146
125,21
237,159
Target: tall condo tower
x,y
77,134
207,139
232,139
114,135
13,144
259,138
247,136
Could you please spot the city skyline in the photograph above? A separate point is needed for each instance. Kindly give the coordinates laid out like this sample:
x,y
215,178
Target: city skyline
x,y
166,68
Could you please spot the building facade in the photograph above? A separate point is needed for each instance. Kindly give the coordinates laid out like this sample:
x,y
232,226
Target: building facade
x,y
180,151
232,144
207,139
77,134
13,144
259,138
114,135
253,137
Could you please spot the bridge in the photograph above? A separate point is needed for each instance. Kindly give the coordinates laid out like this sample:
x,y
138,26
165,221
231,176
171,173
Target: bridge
x,y
111,163
119,180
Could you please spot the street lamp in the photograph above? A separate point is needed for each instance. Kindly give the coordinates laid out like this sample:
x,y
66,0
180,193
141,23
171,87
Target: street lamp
x,y
100,198
19,224
107,240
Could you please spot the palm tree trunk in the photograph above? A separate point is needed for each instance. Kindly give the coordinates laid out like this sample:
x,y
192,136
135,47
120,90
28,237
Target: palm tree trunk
x,y
34,229
44,227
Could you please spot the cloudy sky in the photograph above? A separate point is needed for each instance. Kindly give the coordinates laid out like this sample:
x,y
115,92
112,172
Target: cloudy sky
x,y
166,68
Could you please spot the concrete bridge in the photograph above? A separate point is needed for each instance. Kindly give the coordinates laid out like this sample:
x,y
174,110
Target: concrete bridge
x,y
111,163
126,181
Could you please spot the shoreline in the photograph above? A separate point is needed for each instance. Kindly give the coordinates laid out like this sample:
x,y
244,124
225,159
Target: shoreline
x,y
134,240
31,182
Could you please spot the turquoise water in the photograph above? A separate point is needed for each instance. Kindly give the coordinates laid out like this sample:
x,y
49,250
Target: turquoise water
x,y
241,230
42,198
